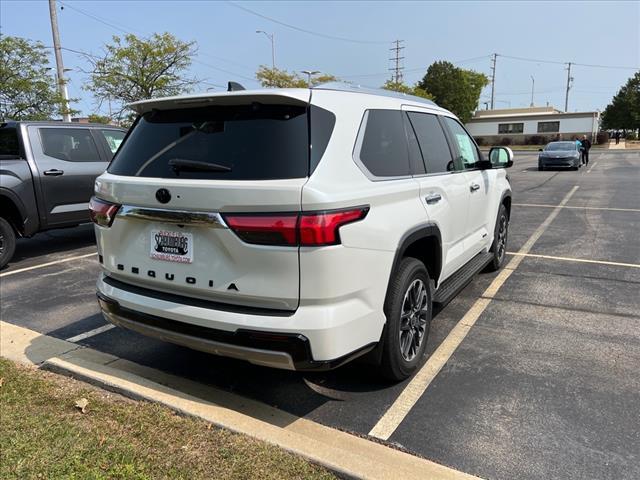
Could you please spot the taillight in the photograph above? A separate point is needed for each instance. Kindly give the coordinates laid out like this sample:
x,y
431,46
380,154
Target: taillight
x,y
102,212
265,229
322,228
293,229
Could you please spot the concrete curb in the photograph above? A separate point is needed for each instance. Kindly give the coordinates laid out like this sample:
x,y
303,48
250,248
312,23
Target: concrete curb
x,y
345,454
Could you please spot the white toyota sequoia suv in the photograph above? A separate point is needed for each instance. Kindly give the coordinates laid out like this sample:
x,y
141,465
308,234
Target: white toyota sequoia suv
x,y
296,228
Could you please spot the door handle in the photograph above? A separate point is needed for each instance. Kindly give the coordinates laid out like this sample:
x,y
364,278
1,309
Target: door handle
x,y
474,187
433,198
54,172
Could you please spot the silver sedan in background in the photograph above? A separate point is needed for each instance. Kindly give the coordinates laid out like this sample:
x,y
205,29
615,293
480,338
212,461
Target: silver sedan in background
x,y
560,154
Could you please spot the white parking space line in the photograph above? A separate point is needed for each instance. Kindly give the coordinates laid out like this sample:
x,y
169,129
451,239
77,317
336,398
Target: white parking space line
x,y
42,265
421,380
91,333
591,167
542,205
569,259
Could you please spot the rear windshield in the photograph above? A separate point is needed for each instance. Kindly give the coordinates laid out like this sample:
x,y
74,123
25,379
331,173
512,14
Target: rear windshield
x,y
240,142
561,146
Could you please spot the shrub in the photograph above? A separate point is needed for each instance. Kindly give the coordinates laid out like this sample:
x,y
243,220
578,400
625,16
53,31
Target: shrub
x,y
479,141
538,140
504,141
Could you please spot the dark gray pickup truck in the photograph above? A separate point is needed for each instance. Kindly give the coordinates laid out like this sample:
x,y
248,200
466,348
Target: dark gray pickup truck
x,y
47,173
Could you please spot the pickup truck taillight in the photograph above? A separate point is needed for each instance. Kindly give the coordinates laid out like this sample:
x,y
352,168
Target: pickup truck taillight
x,y
312,229
102,212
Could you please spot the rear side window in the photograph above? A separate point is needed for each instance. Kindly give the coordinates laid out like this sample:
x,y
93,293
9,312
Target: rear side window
x,y
70,144
238,142
432,141
9,145
382,144
113,138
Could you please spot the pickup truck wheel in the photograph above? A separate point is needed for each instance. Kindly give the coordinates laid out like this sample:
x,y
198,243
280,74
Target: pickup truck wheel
x,y
408,310
7,242
500,237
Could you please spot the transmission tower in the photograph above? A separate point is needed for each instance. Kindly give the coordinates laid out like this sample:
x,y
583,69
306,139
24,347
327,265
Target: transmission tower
x,y
396,60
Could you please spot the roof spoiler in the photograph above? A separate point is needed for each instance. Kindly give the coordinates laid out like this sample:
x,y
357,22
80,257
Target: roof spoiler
x,y
234,86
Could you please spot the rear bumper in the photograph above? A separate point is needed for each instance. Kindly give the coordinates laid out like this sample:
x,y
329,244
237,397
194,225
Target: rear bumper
x,y
243,335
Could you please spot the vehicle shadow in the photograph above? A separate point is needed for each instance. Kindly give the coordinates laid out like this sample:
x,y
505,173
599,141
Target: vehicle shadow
x,y
52,242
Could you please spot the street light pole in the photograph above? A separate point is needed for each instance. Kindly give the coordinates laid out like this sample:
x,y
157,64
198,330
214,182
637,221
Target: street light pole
x,y
271,37
533,85
309,73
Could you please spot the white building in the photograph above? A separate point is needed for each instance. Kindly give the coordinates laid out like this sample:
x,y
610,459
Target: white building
x,y
521,124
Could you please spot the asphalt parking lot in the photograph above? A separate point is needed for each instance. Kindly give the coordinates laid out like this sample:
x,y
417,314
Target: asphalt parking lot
x,y
545,384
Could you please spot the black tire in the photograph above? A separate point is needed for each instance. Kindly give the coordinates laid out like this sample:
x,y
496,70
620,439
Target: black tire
x,y
500,237
408,307
7,242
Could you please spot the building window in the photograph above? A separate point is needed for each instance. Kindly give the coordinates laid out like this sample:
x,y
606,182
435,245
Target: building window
x,y
548,127
510,127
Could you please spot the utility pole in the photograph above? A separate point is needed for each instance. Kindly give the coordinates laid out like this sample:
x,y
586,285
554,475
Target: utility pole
x,y
493,78
569,80
396,75
62,88
533,86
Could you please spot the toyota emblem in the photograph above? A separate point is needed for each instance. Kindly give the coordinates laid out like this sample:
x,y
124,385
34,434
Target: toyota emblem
x,y
163,195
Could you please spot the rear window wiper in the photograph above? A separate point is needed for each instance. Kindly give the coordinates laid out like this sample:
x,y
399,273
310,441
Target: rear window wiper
x,y
184,165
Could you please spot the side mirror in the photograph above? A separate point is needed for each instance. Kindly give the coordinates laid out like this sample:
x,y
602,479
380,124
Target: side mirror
x,y
501,157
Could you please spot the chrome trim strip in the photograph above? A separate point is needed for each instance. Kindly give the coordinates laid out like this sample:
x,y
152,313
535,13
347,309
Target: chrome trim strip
x,y
256,356
179,217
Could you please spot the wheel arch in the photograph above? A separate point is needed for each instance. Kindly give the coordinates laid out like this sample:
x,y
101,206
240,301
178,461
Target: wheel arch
x,y
12,210
423,242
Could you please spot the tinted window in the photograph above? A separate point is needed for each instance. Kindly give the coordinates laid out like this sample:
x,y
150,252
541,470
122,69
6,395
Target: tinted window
x,y
466,147
9,146
249,142
70,144
113,138
382,144
558,146
322,123
510,127
433,143
548,127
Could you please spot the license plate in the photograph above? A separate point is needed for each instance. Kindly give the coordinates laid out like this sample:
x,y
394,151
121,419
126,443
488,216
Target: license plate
x,y
171,246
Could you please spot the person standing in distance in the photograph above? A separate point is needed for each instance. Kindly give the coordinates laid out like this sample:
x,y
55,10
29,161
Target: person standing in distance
x,y
586,145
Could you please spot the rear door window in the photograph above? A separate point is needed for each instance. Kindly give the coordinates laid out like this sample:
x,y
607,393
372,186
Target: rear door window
x,y
9,144
113,139
239,142
381,146
432,141
69,144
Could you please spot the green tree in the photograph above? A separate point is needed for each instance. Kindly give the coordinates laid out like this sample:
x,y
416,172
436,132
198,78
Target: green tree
x,y
624,110
404,88
277,78
454,88
28,88
95,118
134,68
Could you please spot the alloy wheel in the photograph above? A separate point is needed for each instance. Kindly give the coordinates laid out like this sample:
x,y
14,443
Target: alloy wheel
x,y
413,319
502,237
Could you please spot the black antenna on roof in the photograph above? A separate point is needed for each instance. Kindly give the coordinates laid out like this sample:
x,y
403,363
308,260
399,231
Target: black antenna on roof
x,y
234,86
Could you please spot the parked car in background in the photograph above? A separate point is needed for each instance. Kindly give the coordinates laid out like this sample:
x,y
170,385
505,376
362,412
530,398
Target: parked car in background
x,y
560,154
297,228
47,174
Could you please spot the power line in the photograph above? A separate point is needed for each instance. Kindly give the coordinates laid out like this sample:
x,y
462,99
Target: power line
x,y
110,24
416,69
524,59
304,30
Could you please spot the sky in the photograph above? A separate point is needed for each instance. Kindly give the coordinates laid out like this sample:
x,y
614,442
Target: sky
x,y
352,40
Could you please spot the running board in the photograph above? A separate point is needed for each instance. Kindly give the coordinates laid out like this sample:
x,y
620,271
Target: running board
x,y
456,282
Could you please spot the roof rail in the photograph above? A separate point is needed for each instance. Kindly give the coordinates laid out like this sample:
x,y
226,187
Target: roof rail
x,y
350,87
